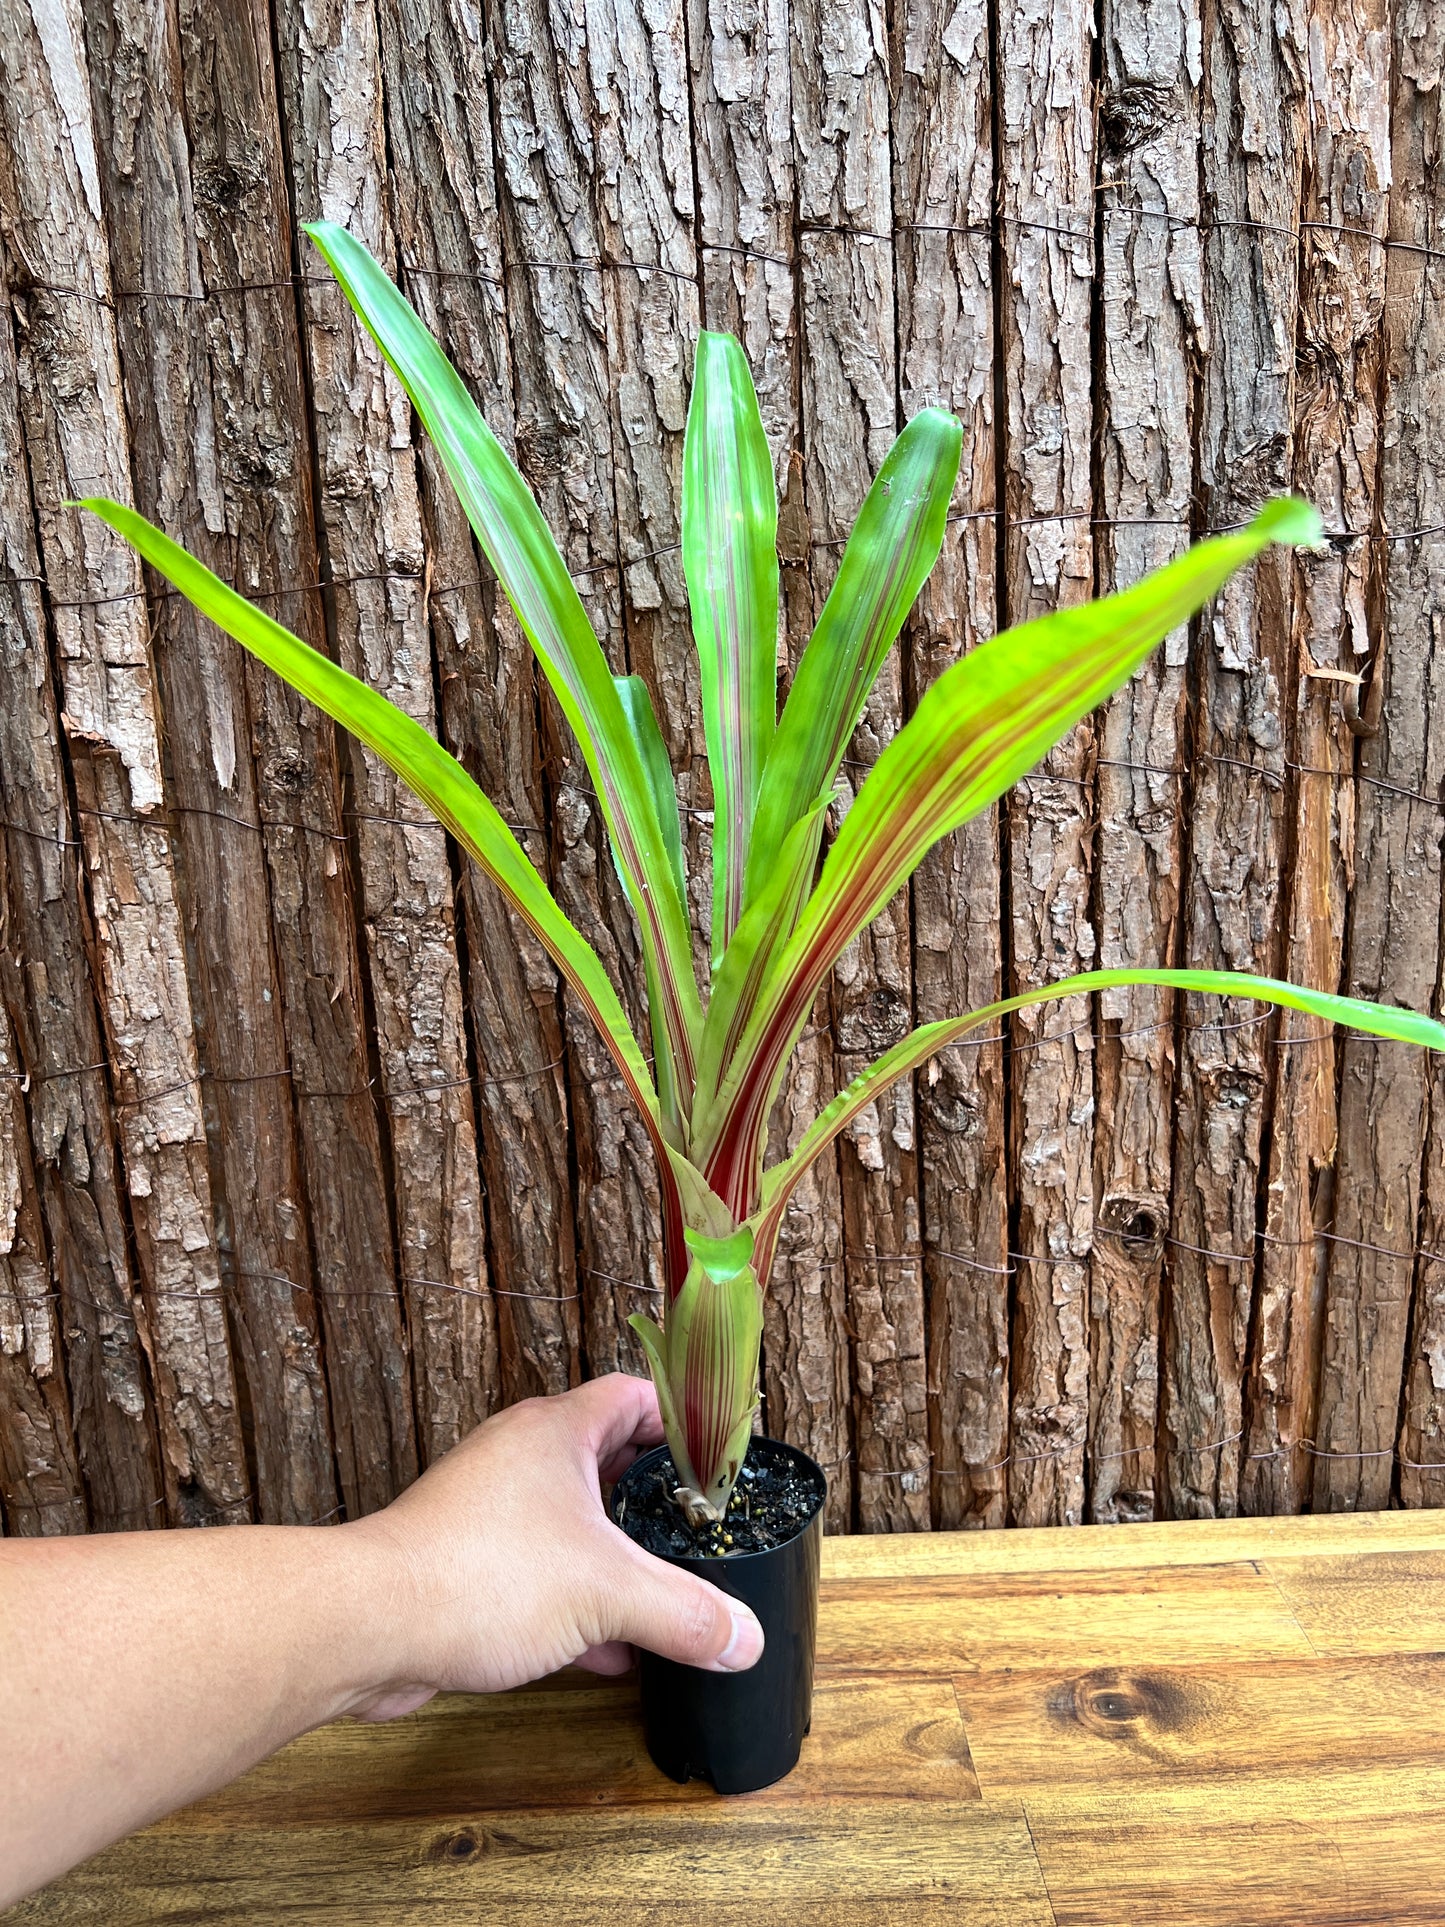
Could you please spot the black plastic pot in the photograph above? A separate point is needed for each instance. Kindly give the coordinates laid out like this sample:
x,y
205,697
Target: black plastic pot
x,y
741,1730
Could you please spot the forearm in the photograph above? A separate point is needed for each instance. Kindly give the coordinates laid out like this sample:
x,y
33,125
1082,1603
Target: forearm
x,y
141,1670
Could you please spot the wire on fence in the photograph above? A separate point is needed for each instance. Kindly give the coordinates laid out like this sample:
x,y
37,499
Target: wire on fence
x,y
1090,1457
605,264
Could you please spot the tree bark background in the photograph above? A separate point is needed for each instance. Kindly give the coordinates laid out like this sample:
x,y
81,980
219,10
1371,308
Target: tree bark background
x,y
307,1162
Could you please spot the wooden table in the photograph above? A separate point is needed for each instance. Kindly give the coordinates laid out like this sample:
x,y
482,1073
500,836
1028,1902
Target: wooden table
x,y
1237,1721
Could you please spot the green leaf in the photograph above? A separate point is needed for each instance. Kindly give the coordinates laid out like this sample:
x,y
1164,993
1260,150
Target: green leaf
x,y
519,545
437,778
766,926
730,558
641,717
985,722
654,1343
894,545
642,720
1377,1020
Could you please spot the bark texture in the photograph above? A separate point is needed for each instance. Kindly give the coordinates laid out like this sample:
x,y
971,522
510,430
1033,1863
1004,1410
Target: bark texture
x,y
73,413
1252,110
1046,248
942,102
1338,350
1153,329
1386,1095
306,1160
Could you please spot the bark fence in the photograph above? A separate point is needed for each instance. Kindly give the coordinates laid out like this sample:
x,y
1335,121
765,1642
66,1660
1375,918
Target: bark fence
x,y
306,1163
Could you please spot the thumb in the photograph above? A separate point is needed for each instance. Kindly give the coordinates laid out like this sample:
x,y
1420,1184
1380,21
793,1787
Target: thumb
x,y
679,1615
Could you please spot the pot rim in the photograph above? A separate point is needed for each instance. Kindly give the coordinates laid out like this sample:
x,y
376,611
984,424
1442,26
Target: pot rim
x,y
732,1559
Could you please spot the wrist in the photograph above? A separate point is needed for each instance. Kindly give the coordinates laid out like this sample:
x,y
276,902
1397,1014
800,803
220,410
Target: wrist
x,y
380,1616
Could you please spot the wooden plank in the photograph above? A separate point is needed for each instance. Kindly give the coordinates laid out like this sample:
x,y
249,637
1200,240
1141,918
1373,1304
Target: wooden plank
x,y
849,413
942,103
1153,330
1376,1602
1159,1616
370,527
174,367
1252,113
1190,1858
1234,1730
444,207
1175,1543
844,1863
1045,165
76,445
1341,316
577,1742
1405,869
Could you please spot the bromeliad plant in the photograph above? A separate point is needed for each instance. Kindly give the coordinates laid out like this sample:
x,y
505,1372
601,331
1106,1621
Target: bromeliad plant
x,y
778,925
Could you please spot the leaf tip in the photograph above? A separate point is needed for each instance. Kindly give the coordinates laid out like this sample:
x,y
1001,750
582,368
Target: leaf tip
x,y
1290,519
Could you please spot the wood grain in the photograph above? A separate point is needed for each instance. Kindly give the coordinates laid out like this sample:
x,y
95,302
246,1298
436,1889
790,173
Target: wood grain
x,y
1207,1722
542,104
93,1346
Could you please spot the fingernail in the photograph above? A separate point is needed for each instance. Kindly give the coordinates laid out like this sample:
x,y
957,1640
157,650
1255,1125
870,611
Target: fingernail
x,y
745,1647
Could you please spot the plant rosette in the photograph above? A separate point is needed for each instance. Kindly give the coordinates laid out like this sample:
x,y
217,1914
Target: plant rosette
x,y
782,912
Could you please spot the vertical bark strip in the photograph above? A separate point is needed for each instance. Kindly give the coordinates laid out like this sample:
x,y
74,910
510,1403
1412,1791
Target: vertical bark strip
x,y
444,208
643,176
1395,913
255,1161
40,1490
840,87
49,998
1336,459
1251,114
253,481
1153,328
75,430
370,520
1046,177
545,130
742,120
942,101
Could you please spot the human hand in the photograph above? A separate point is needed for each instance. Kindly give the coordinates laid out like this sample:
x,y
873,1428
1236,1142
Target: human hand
x,y
500,1565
